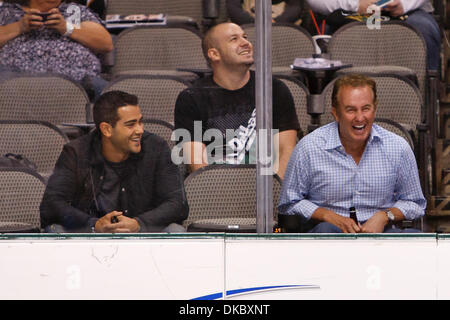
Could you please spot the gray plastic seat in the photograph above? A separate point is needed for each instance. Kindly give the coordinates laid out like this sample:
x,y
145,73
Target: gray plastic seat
x,y
222,198
39,141
190,11
398,99
289,41
157,94
158,50
160,128
395,44
300,95
47,97
21,191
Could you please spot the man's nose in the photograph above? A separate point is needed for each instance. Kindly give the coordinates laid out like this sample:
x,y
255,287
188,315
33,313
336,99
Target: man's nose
x,y
359,115
245,42
139,128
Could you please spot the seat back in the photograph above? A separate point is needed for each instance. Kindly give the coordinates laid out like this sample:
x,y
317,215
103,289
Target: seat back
x,y
161,128
188,8
224,196
157,94
21,191
289,41
164,130
39,141
396,128
394,44
398,99
45,97
158,48
300,95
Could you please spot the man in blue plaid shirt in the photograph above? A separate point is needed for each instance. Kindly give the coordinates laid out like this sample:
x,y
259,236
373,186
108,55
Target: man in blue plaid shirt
x,y
353,165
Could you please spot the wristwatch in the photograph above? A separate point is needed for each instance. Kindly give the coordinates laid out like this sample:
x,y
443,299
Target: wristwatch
x,y
69,29
390,215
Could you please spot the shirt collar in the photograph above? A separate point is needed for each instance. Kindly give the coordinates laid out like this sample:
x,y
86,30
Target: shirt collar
x,y
334,141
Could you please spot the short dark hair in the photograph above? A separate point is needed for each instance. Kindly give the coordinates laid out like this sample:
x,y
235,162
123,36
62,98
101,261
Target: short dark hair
x,y
208,43
355,81
105,107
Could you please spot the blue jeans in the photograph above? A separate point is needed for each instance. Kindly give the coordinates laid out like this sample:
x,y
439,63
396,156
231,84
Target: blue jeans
x,y
425,23
325,227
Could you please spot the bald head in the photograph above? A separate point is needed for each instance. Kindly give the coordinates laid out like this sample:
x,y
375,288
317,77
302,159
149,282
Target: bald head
x,y
224,38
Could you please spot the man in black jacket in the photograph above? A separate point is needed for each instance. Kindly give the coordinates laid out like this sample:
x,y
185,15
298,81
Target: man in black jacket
x,y
118,178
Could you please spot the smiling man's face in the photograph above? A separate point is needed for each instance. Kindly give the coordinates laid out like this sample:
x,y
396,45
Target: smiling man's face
x,y
232,45
355,114
127,133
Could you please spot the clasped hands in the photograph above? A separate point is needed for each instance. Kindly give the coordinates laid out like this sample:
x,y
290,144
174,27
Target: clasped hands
x,y
116,222
375,224
33,21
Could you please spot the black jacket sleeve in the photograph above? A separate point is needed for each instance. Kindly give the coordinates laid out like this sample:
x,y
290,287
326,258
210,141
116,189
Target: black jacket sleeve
x,y
56,206
170,196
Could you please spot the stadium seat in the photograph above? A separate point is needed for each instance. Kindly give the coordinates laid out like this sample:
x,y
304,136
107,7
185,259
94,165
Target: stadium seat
x,y
160,128
164,130
289,41
190,12
300,95
396,46
398,100
159,50
222,198
157,94
396,128
38,141
46,97
21,191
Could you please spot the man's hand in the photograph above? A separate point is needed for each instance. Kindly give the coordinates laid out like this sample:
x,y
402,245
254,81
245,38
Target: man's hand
x,y
126,225
347,225
123,225
364,4
376,223
395,8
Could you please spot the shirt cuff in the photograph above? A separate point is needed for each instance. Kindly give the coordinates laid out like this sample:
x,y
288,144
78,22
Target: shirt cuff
x,y
410,210
304,207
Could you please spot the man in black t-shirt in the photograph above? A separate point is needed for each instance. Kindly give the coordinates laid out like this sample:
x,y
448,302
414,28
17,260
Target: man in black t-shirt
x,y
218,112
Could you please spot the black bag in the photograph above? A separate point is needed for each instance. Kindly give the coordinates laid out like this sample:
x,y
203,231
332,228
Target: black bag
x,y
11,160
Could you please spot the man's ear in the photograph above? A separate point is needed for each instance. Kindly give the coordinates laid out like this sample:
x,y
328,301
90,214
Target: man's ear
x,y
213,54
106,129
334,113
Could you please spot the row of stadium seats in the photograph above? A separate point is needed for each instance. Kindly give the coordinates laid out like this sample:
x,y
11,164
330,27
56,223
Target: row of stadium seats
x,y
400,110
166,49
59,101
212,206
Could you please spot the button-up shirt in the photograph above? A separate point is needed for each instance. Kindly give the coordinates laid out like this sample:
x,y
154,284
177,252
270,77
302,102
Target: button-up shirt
x,y
321,174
